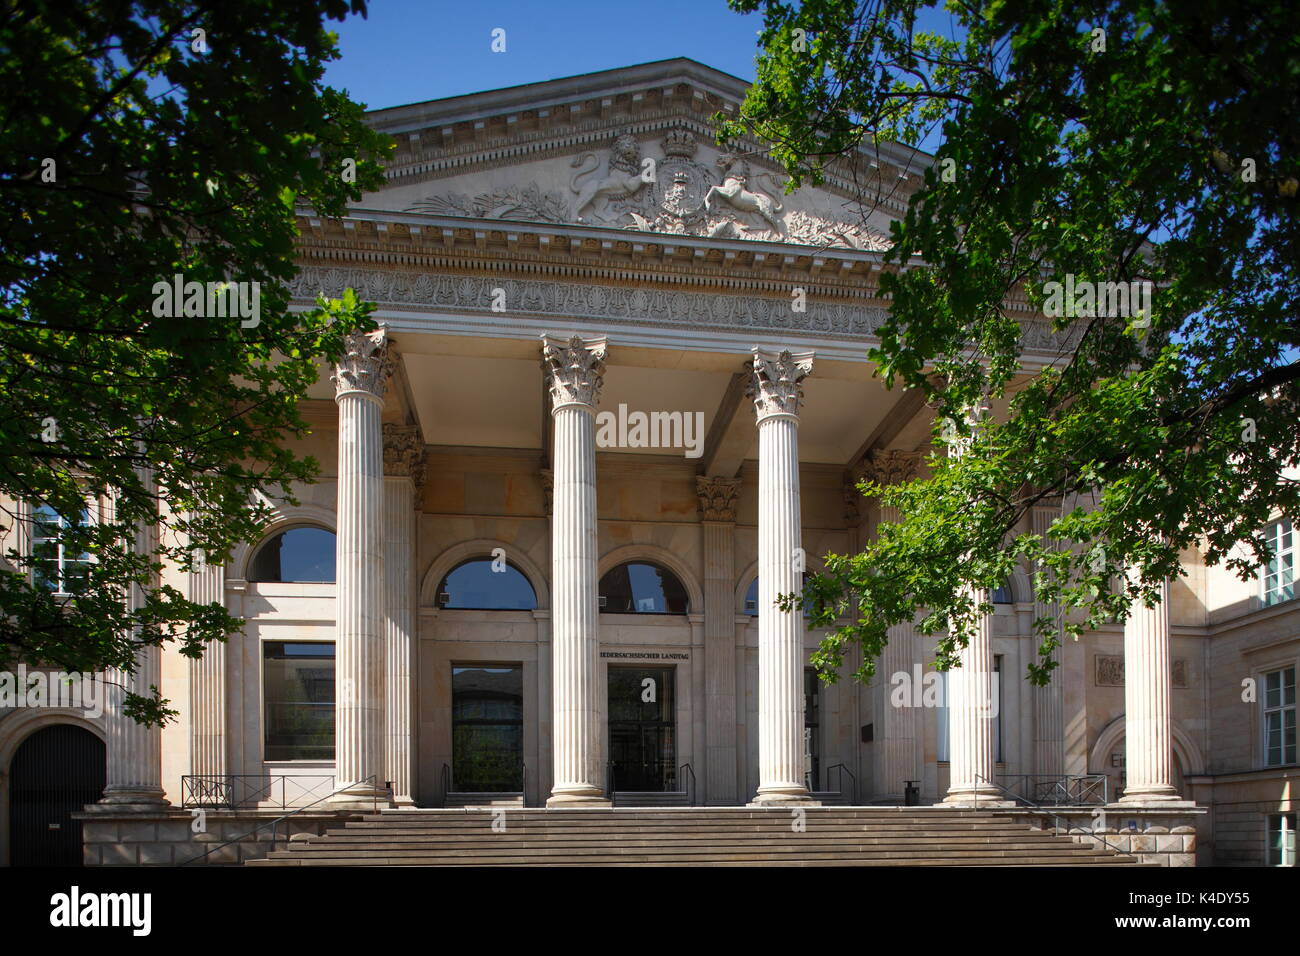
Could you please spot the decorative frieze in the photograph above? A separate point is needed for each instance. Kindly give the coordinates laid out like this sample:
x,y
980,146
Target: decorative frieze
x,y
1109,672
775,384
717,497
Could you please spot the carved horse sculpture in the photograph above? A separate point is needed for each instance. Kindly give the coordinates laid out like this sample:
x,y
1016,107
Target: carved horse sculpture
x,y
734,191
623,179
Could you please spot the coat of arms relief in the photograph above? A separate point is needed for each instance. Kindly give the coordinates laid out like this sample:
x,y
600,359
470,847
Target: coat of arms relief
x,y
672,193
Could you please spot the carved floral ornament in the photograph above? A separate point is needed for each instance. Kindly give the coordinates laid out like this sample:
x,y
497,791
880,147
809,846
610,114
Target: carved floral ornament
x,y
775,381
404,452
574,369
717,497
889,467
366,364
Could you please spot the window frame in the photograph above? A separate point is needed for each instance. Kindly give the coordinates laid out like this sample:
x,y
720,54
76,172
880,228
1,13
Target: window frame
x,y
61,561
484,559
266,540
1285,823
263,660
1281,708
1275,535
601,599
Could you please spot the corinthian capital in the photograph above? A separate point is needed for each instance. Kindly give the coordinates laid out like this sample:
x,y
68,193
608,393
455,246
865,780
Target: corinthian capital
x,y
404,452
574,368
366,364
891,467
717,497
774,383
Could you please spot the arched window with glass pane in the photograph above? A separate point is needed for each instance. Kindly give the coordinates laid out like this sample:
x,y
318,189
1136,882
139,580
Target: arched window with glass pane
x,y
486,584
642,587
1004,594
57,566
302,555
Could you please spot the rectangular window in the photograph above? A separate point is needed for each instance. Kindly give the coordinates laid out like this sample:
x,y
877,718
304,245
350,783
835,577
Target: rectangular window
x,y
56,567
487,728
1281,839
1279,717
1279,572
299,690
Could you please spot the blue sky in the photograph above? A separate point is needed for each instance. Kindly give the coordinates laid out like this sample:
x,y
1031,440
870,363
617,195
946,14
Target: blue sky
x,y
408,51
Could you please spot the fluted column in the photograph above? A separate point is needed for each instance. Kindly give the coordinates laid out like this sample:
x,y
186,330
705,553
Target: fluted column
x,y
718,524
777,396
895,751
1148,747
207,585
1049,704
134,751
404,475
972,760
359,381
574,374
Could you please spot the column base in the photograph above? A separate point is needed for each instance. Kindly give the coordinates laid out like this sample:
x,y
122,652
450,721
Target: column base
x,y
767,797
129,798
578,798
360,796
977,797
1157,797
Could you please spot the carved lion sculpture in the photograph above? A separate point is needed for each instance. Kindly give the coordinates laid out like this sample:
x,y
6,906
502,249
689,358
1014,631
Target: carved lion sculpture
x,y
621,181
735,192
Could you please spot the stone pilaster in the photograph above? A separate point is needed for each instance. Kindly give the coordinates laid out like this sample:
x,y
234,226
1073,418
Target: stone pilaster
x,y
718,524
403,477
360,378
1048,700
207,585
1148,745
775,388
134,752
895,756
574,370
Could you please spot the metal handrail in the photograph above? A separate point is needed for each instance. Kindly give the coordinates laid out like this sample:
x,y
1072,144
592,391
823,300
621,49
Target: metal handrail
x,y
273,824
853,777
690,791
219,790
1056,817
446,782
1047,788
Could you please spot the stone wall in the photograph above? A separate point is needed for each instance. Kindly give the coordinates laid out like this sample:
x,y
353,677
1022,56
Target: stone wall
x,y
1159,837
113,837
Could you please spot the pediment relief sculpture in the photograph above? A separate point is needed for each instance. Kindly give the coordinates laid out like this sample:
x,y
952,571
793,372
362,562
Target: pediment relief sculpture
x,y
673,193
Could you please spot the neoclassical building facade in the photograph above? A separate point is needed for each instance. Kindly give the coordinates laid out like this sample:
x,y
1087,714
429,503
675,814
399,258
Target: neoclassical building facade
x,y
618,401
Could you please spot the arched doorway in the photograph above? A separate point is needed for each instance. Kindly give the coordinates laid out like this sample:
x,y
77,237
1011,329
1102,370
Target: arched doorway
x,y
55,772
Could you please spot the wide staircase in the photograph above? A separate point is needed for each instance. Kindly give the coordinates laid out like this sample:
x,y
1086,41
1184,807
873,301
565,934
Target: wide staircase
x,y
824,836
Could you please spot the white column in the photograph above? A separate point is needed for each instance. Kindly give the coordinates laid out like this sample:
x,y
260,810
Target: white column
x,y
404,474
134,751
1049,704
359,380
574,374
895,751
207,585
777,396
971,715
1148,749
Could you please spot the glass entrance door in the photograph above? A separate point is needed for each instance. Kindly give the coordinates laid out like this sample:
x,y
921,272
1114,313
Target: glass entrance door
x,y
642,729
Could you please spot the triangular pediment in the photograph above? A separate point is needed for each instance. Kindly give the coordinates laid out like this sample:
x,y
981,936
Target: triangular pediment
x,y
630,149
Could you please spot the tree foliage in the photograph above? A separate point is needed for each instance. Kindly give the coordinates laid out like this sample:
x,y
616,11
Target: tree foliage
x,y
143,140
1093,141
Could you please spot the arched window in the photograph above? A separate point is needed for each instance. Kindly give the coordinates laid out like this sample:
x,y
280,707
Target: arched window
x,y
300,555
639,587
751,598
485,584
1004,594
